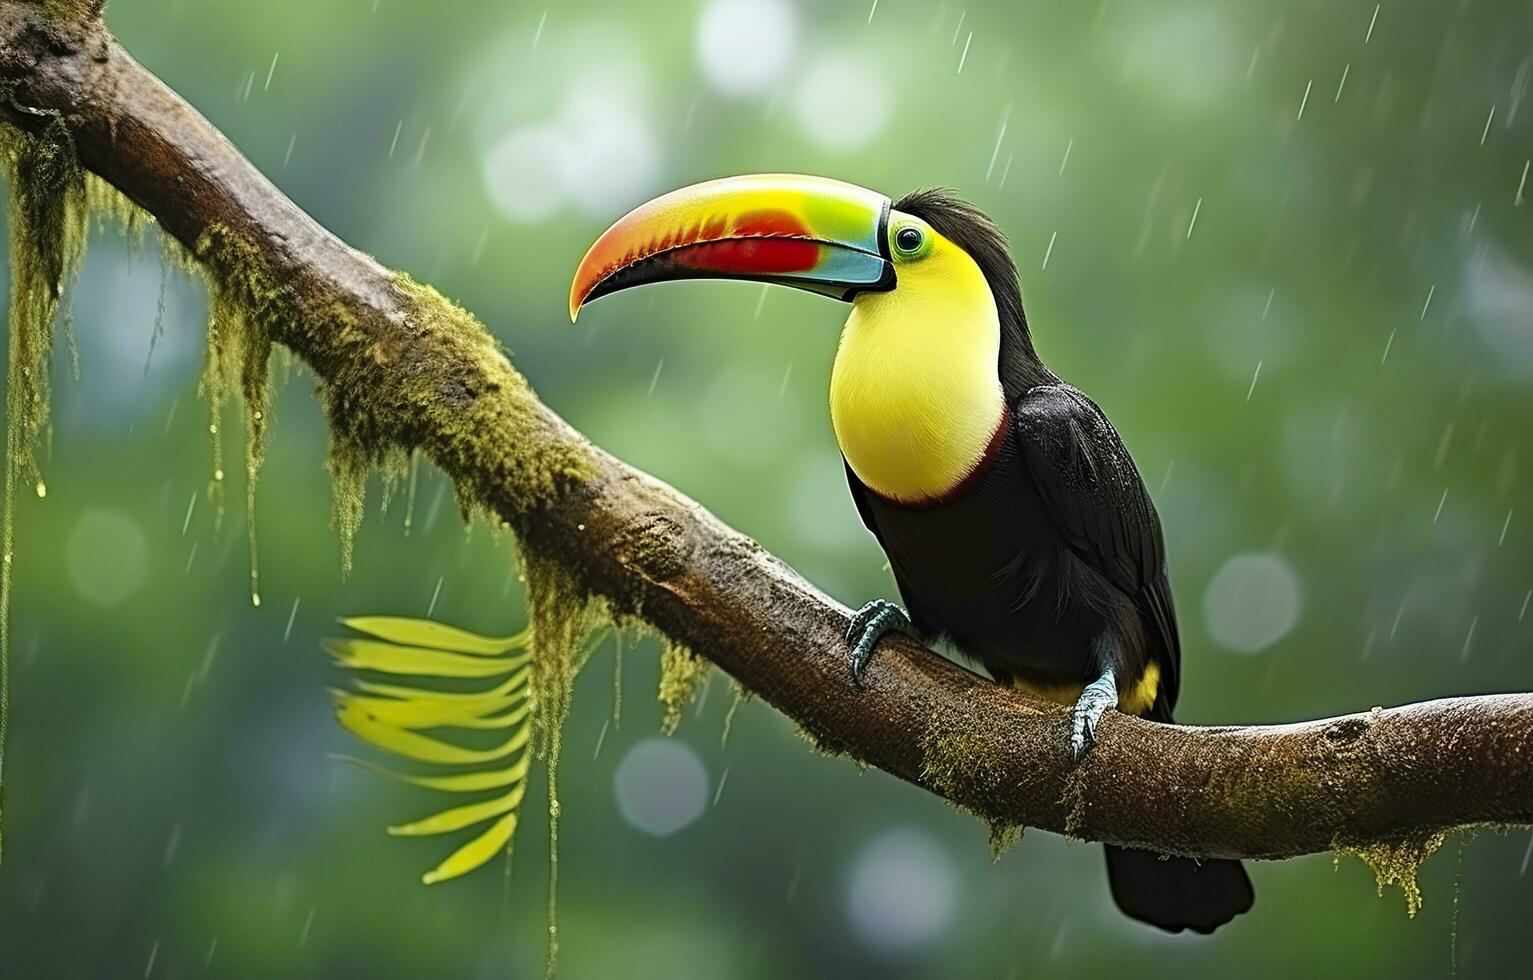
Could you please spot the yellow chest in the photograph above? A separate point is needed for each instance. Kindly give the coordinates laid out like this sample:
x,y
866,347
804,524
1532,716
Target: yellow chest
x,y
914,394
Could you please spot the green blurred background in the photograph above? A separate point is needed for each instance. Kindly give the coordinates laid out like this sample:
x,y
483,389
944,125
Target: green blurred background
x,y
1283,244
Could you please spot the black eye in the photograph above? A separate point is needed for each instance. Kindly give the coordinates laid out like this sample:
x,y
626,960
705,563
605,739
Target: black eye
x,y
908,239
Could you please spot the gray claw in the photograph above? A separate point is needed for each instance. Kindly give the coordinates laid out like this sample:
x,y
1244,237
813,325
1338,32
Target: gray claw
x,y
1098,696
873,622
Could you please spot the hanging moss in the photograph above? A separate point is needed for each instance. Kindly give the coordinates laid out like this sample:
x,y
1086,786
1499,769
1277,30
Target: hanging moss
x,y
48,218
237,361
348,463
741,695
1397,863
562,617
682,674
1003,837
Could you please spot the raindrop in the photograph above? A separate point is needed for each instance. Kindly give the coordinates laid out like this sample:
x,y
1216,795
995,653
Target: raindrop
x,y
601,737
1050,250
999,137
292,615
435,595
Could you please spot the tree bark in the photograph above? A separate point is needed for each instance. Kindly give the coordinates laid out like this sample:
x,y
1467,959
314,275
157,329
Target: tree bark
x,y
403,371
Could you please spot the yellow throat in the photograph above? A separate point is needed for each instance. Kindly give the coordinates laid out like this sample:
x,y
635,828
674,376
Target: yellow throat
x,y
915,397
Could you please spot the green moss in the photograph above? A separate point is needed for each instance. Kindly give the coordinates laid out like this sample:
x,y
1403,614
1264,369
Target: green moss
x,y
72,11
682,674
741,695
237,361
347,463
562,618
1003,837
953,764
48,220
1397,863
111,206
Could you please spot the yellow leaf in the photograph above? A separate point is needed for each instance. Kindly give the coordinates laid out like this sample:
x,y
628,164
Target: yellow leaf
x,y
418,713
475,853
468,782
425,633
462,816
515,682
391,659
422,748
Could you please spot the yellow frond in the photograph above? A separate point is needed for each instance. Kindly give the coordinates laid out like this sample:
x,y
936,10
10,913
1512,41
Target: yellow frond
x,y
515,682
425,633
391,659
423,748
462,816
417,713
475,853
468,782
391,717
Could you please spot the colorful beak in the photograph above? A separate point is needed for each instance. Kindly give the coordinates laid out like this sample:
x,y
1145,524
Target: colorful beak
x,y
810,232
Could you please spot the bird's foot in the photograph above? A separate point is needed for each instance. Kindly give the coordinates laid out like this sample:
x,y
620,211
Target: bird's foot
x,y
873,622
1088,709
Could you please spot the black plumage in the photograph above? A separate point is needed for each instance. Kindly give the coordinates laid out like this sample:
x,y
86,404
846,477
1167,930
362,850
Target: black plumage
x,y
1049,565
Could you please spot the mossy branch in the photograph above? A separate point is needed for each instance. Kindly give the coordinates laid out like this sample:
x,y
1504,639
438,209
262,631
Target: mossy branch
x,y
404,369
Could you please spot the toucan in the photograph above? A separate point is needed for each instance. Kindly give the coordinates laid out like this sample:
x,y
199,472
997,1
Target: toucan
x,y
1015,522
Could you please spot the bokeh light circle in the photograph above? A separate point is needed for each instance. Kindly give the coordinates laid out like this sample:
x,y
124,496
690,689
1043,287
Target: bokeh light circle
x,y
744,45
902,891
1252,602
107,556
524,172
661,786
843,101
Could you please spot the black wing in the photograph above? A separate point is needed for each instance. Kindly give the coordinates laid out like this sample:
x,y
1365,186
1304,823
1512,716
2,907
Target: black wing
x,y
860,498
1093,492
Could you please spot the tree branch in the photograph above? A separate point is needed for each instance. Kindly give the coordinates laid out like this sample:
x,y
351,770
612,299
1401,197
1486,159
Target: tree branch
x,y
404,368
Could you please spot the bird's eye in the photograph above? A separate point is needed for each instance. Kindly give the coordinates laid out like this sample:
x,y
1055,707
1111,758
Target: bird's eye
x,y
909,240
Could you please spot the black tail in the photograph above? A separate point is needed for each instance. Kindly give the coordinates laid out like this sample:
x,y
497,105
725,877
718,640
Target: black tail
x,y
1176,893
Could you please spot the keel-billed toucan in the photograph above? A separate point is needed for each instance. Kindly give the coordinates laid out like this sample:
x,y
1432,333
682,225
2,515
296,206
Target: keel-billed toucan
x,y
1015,522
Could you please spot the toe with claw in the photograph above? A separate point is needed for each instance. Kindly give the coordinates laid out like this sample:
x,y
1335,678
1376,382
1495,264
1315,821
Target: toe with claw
x,y
873,622
1094,701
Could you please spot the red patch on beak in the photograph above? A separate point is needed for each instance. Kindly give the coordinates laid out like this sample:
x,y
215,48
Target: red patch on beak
x,y
762,243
